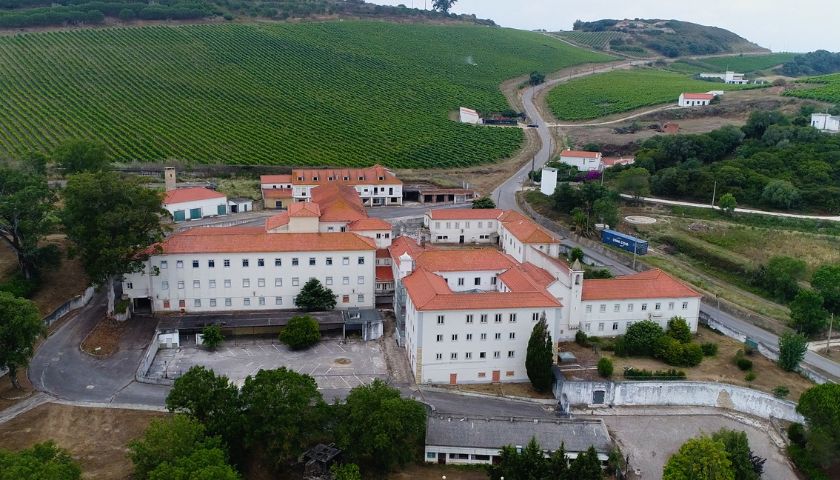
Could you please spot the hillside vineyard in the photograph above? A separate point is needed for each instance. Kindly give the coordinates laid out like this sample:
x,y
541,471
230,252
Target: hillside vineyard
x,y
332,93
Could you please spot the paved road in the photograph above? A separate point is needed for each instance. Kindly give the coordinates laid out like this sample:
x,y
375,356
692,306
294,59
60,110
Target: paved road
x,y
738,210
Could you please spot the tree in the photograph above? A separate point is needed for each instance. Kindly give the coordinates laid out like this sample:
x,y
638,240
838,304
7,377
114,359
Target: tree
x,y
780,194
728,204
536,78
26,216
558,464
826,281
167,440
538,359
744,463
76,156
380,429
634,181
443,6
781,274
820,406
586,466
211,337
483,203
807,314
348,471
678,329
283,411
212,400
529,464
641,338
20,327
112,222
700,458
201,464
44,461
605,367
575,254
314,297
606,211
792,348
302,332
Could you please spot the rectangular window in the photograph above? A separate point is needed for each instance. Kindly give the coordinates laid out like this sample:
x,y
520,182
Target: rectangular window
x,y
212,302
510,353
644,307
493,281
602,308
588,327
260,282
498,336
658,306
195,264
535,316
361,260
228,302
629,307
311,261
262,300
460,282
196,283
589,309
482,354
226,263
440,338
211,264
197,302
278,300
227,283
469,318
295,281
180,285
484,336
245,262
179,264
483,318
455,337
477,281
329,280
129,285
260,262
345,280
512,336
361,298
295,262
164,264
468,356
246,282
469,337
670,305
439,356
453,356
600,327
498,318
497,354
246,301
278,262
615,326
685,306
164,285
345,260
329,260
440,319
617,307
212,284
360,280
278,282
512,318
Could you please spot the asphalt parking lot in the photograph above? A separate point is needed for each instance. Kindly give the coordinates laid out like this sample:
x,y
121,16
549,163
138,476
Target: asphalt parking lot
x,y
333,364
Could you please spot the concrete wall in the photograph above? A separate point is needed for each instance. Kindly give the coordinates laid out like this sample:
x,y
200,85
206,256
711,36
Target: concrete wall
x,y
699,394
78,301
146,363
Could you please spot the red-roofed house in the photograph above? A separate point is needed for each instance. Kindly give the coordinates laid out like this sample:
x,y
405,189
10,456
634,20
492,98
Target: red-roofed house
x,y
584,161
376,185
276,191
695,99
194,203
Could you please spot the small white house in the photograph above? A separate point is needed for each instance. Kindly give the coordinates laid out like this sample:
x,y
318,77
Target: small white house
x,y
825,122
695,99
468,115
240,205
729,77
548,181
194,203
584,161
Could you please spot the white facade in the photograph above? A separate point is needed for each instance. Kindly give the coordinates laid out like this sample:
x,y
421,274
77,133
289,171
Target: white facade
x,y
372,195
240,205
583,162
197,209
608,318
210,282
825,122
468,115
548,181
686,100
729,77
471,231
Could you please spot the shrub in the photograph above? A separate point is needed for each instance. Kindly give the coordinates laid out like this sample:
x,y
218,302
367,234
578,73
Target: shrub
x,y
19,286
679,330
301,332
796,434
709,349
750,376
641,374
744,364
781,392
581,339
805,463
692,355
668,349
605,367
121,306
620,346
641,338
212,337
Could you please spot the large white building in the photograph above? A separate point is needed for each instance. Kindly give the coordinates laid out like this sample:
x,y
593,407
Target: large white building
x,y
729,77
469,312
825,122
695,99
195,203
377,186
263,268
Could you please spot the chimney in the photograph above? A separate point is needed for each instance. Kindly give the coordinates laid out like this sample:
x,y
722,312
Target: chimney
x,y
169,178
406,265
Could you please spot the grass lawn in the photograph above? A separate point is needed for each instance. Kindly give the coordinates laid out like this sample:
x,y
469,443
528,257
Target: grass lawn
x,y
748,63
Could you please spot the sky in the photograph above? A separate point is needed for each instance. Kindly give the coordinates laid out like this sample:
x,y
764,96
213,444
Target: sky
x,y
781,25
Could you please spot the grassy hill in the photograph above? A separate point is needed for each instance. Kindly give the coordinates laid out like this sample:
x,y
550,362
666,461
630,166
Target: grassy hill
x,y
671,38
328,93
749,63
621,91
825,88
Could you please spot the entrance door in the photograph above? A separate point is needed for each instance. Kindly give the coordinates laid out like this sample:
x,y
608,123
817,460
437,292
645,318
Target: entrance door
x,y
461,240
233,209
453,379
497,376
222,210
442,458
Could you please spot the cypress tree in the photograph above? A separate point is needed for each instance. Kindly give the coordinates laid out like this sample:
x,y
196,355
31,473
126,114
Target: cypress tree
x,y
538,360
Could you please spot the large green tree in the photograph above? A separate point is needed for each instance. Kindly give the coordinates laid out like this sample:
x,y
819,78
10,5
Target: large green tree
x,y
26,216
201,464
529,464
76,156
483,203
728,203
820,406
745,465
807,314
302,332
314,297
781,275
634,181
166,441
113,221
586,466
792,348
20,327
443,6
44,461
700,458
826,281
780,194
539,357
379,429
641,338
283,412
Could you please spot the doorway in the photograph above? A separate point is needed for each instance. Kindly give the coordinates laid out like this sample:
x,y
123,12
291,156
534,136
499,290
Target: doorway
x,y
453,379
497,376
461,240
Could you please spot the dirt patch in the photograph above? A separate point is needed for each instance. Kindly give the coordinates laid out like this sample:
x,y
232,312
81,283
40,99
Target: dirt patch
x,y
96,437
104,340
436,472
343,361
503,390
395,358
10,395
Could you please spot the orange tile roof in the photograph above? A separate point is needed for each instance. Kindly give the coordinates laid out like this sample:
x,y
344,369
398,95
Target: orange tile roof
x,y
579,154
429,292
465,214
484,259
235,240
368,224
182,195
270,179
402,245
338,203
277,221
539,275
383,253
650,284
277,192
525,229
384,274
369,176
304,209
698,96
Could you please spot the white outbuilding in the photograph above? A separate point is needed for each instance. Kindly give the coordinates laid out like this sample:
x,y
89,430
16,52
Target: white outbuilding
x,y
195,203
548,181
825,122
695,99
468,115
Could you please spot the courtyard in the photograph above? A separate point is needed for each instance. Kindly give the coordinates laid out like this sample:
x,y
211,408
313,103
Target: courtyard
x,y
335,364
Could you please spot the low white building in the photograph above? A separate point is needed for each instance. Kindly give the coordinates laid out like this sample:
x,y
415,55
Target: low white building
x,y
825,122
377,186
695,99
584,161
548,181
194,203
240,205
729,77
468,115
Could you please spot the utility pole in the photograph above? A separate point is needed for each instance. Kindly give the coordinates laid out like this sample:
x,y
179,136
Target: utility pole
x,y
635,246
714,194
828,342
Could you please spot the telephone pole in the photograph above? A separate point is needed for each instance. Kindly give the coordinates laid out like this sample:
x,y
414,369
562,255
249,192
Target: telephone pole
x,y
714,194
828,342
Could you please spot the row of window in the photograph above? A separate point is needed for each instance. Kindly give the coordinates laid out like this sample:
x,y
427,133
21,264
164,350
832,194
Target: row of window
x,y
481,355
617,307
469,336
244,302
615,326
278,262
476,281
490,224
246,282
497,318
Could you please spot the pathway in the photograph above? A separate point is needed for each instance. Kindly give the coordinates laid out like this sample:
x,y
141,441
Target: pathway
x,y
662,201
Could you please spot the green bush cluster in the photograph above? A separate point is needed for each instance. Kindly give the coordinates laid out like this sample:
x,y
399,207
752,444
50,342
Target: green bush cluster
x,y
673,346
301,332
19,286
605,367
742,363
642,374
709,349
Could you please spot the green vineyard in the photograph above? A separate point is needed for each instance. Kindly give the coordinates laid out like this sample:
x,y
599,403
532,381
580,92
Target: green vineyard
x,y
621,91
748,63
596,40
331,93
828,89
